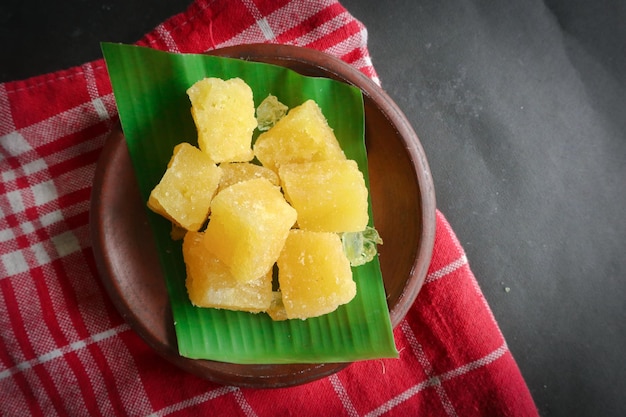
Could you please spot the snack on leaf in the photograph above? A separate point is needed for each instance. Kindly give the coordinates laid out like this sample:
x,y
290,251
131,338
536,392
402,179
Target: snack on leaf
x,y
234,172
248,226
210,284
329,196
303,135
185,191
250,230
223,111
314,274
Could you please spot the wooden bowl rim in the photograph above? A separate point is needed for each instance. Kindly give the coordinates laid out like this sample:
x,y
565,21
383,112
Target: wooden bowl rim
x,y
294,374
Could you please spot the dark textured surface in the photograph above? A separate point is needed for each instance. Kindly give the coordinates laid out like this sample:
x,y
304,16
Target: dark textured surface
x,y
43,36
521,107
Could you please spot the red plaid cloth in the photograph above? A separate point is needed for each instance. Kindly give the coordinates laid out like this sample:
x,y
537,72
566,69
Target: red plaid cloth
x,y
66,351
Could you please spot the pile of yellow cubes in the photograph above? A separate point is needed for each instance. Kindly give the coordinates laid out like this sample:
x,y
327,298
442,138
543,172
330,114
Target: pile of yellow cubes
x,y
242,218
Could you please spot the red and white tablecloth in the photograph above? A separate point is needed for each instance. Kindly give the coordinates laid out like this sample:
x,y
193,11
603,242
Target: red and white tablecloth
x,y
64,349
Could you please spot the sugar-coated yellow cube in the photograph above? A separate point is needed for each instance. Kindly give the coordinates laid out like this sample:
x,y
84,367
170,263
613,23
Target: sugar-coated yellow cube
x,y
300,136
185,191
314,274
223,111
210,284
248,226
234,172
329,196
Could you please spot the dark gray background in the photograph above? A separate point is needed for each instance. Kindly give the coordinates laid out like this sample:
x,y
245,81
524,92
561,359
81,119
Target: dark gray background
x,y
521,108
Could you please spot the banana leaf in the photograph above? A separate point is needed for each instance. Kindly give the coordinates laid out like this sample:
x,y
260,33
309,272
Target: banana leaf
x,y
150,92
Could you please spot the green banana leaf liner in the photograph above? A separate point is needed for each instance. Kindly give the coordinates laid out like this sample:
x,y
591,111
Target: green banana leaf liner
x,y
150,91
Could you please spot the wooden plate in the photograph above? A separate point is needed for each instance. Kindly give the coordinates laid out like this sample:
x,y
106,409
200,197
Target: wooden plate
x,y
403,202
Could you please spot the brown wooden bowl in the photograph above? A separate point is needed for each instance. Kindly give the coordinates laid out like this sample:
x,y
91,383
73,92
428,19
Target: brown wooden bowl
x,y
403,202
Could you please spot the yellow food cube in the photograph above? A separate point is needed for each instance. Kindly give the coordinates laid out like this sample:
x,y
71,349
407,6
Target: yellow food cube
x,y
223,111
329,196
235,172
248,226
302,135
314,274
185,191
210,284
